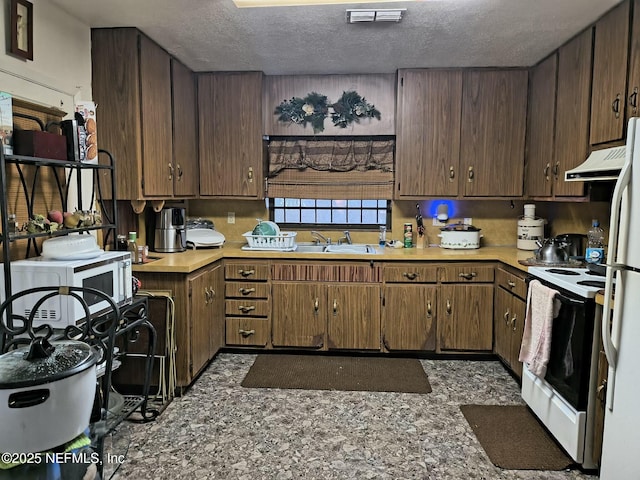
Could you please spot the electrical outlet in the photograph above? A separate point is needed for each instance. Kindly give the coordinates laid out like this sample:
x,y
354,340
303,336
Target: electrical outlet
x,y
468,221
231,217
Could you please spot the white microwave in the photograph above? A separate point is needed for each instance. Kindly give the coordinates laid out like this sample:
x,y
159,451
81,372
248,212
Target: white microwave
x,y
109,272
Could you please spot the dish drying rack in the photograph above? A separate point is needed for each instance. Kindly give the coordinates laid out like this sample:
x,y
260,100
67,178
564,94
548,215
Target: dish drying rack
x,y
283,241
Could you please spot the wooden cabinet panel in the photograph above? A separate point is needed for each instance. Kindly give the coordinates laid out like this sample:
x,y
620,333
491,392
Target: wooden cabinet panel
x,y
247,290
230,134
409,317
185,132
354,317
501,325
467,273
572,111
513,283
633,84
299,317
540,128
410,273
428,132
608,98
465,317
248,332
494,109
248,307
155,103
518,312
246,271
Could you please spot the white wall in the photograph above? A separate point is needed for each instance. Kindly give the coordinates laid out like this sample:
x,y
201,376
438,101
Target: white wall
x,y
61,68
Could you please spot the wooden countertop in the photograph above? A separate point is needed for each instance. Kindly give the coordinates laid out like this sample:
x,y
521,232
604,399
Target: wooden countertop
x,y
192,260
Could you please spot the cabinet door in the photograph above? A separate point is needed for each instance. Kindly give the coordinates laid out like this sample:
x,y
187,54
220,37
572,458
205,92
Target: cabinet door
x,y
115,86
201,321
634,64
608,98
465,317
494,109
502,325
185,133
542,113
299,315
230,125
216,306
516,330
428,133
155,105
572,111
408,317
354,316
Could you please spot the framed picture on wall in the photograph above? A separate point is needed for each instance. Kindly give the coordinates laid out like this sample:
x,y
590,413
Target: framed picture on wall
x,y
21,19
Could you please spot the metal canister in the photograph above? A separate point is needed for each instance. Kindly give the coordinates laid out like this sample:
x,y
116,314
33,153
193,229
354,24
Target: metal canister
x,y
408,235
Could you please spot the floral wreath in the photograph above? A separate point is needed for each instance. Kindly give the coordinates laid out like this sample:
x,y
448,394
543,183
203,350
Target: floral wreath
x,y
314,108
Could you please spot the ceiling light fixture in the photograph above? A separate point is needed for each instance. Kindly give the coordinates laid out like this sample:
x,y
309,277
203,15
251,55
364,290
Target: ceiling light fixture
x,y
375,15
302,3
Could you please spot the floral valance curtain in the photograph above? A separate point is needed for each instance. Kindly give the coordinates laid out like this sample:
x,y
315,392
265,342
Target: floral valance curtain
x,y
310,168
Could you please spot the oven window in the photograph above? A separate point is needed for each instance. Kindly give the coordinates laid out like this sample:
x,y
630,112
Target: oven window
x,y
102,282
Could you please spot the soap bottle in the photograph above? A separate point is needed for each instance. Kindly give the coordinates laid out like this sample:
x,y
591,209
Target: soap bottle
x,y
133,247
595,243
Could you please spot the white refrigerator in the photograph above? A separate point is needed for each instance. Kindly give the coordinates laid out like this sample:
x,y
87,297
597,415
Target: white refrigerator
x,y
621,335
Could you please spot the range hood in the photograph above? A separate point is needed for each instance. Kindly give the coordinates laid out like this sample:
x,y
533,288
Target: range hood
x,y
600,165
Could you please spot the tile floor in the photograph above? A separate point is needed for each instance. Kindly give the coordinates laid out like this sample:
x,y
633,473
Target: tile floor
x,y
220,430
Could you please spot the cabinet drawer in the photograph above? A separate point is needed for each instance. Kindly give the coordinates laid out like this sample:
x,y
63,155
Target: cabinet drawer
x,y
467,273
246,290
247,331
246,271
410,274
511,282
247,308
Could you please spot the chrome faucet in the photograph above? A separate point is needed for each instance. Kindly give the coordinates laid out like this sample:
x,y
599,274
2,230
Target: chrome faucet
x,y
318,237
347,237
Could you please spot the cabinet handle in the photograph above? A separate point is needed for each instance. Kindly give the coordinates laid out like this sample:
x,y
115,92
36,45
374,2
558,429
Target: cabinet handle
x,y
506,317
170,172
246,333
615,106
601,391
633,99
179,168
410,275
429,312
335,307
513,322
246,291
470,174
448,307
316,306
250,175
212,294
246,273
467,276
511,284
556,169
206,295
246,309
452,173
546,171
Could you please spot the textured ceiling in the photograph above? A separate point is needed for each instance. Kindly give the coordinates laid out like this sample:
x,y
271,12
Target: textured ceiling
x,y
210,35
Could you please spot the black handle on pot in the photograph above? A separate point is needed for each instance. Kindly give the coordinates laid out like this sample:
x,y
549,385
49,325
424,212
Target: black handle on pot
x,y
27,399
40,348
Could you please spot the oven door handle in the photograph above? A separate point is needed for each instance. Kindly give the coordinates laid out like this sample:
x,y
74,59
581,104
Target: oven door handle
x,y
569,301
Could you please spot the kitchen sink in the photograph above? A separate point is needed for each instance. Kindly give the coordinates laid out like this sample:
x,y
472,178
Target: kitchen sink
x,y
355,248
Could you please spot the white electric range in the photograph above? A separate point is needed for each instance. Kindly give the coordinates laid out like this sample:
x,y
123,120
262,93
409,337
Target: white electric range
x,y
564,400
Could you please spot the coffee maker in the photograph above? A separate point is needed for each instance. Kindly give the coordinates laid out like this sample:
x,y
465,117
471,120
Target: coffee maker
x,y
170,231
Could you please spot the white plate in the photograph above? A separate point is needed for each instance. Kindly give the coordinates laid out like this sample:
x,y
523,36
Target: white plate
x,y
77,256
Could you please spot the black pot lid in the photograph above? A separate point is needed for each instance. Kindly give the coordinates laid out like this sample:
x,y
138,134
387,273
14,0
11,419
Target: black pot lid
x,y
459,227
67,358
